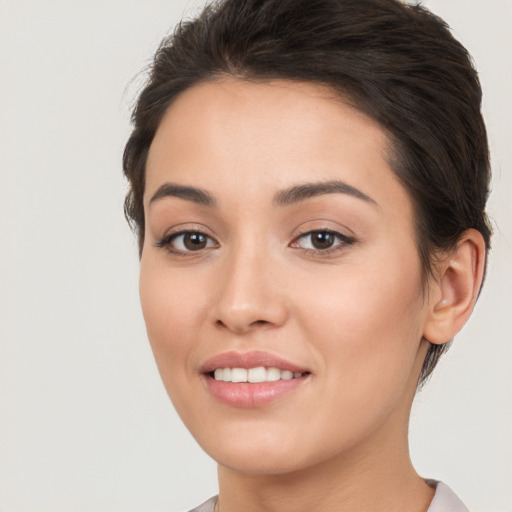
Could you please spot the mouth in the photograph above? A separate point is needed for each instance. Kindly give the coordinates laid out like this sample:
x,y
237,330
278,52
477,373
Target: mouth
x,y
252,379
254,375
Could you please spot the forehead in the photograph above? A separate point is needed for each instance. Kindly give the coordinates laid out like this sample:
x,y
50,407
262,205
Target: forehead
x,y
239,137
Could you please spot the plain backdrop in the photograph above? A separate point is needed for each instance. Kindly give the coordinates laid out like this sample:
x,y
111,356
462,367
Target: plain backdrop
x,y
85,424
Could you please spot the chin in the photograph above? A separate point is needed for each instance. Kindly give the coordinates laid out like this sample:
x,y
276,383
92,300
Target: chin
x,y
252,462
266,449
257,450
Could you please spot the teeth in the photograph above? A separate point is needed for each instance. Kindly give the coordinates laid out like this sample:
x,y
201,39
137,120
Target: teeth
x,y
273,374
258,374
254,375
238,375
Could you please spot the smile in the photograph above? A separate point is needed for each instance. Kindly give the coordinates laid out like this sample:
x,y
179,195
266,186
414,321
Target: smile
x,y
254,375
252,379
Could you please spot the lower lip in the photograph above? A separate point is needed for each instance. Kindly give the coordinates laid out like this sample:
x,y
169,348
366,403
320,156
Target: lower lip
x,y
250,395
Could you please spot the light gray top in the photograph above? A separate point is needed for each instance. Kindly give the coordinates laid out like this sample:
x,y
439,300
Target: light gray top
x,y
445,500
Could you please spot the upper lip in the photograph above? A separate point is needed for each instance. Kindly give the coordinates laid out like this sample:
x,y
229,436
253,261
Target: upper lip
x,y
247,360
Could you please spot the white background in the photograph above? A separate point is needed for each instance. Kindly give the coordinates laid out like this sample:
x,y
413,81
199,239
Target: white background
x,y
85,424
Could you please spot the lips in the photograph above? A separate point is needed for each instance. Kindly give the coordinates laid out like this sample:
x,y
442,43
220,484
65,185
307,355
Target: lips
x,y
251,379
249,360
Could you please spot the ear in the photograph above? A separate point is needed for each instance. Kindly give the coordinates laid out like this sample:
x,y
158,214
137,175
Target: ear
x,y
454,291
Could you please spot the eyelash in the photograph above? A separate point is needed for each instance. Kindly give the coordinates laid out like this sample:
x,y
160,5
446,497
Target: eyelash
x,y
343,241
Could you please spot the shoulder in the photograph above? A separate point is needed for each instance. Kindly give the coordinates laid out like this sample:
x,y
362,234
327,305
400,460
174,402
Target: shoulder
x,y
207,506
445,500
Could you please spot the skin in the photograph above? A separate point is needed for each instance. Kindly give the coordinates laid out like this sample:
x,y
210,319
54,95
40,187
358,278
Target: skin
x,y
355,315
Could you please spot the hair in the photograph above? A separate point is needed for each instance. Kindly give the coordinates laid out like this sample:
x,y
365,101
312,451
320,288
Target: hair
x,y
397,63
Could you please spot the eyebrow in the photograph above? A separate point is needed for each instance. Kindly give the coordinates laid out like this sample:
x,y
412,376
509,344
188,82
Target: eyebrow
x,y
196,195
300,193
285,197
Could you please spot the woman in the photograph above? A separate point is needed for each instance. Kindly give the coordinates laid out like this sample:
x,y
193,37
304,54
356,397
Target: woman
x,y
308,183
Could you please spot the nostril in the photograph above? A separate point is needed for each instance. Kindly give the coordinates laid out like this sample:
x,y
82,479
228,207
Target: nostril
x,y
241,327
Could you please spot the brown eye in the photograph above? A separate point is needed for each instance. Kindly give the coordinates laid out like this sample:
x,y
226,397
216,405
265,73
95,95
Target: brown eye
x,y
322,239
186,242
194,241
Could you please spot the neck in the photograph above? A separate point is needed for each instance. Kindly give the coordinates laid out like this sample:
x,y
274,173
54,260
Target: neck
x,y
368,483
376,476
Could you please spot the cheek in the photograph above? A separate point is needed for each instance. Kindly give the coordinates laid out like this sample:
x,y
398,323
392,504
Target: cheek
x,y
366,331
367,319
172,307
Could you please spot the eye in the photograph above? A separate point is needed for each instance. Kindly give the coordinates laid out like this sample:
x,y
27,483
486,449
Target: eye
x,y
186,242
322,241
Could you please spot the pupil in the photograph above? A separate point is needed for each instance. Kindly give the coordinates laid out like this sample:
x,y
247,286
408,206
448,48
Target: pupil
x,y
194,241
322,240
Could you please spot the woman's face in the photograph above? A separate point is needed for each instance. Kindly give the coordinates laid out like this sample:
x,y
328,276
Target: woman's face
x,y
280,245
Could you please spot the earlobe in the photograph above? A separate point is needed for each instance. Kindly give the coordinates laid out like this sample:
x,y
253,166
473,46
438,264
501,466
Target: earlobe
x,y
454,293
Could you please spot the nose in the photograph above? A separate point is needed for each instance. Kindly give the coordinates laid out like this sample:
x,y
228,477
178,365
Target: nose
x,y
249,294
